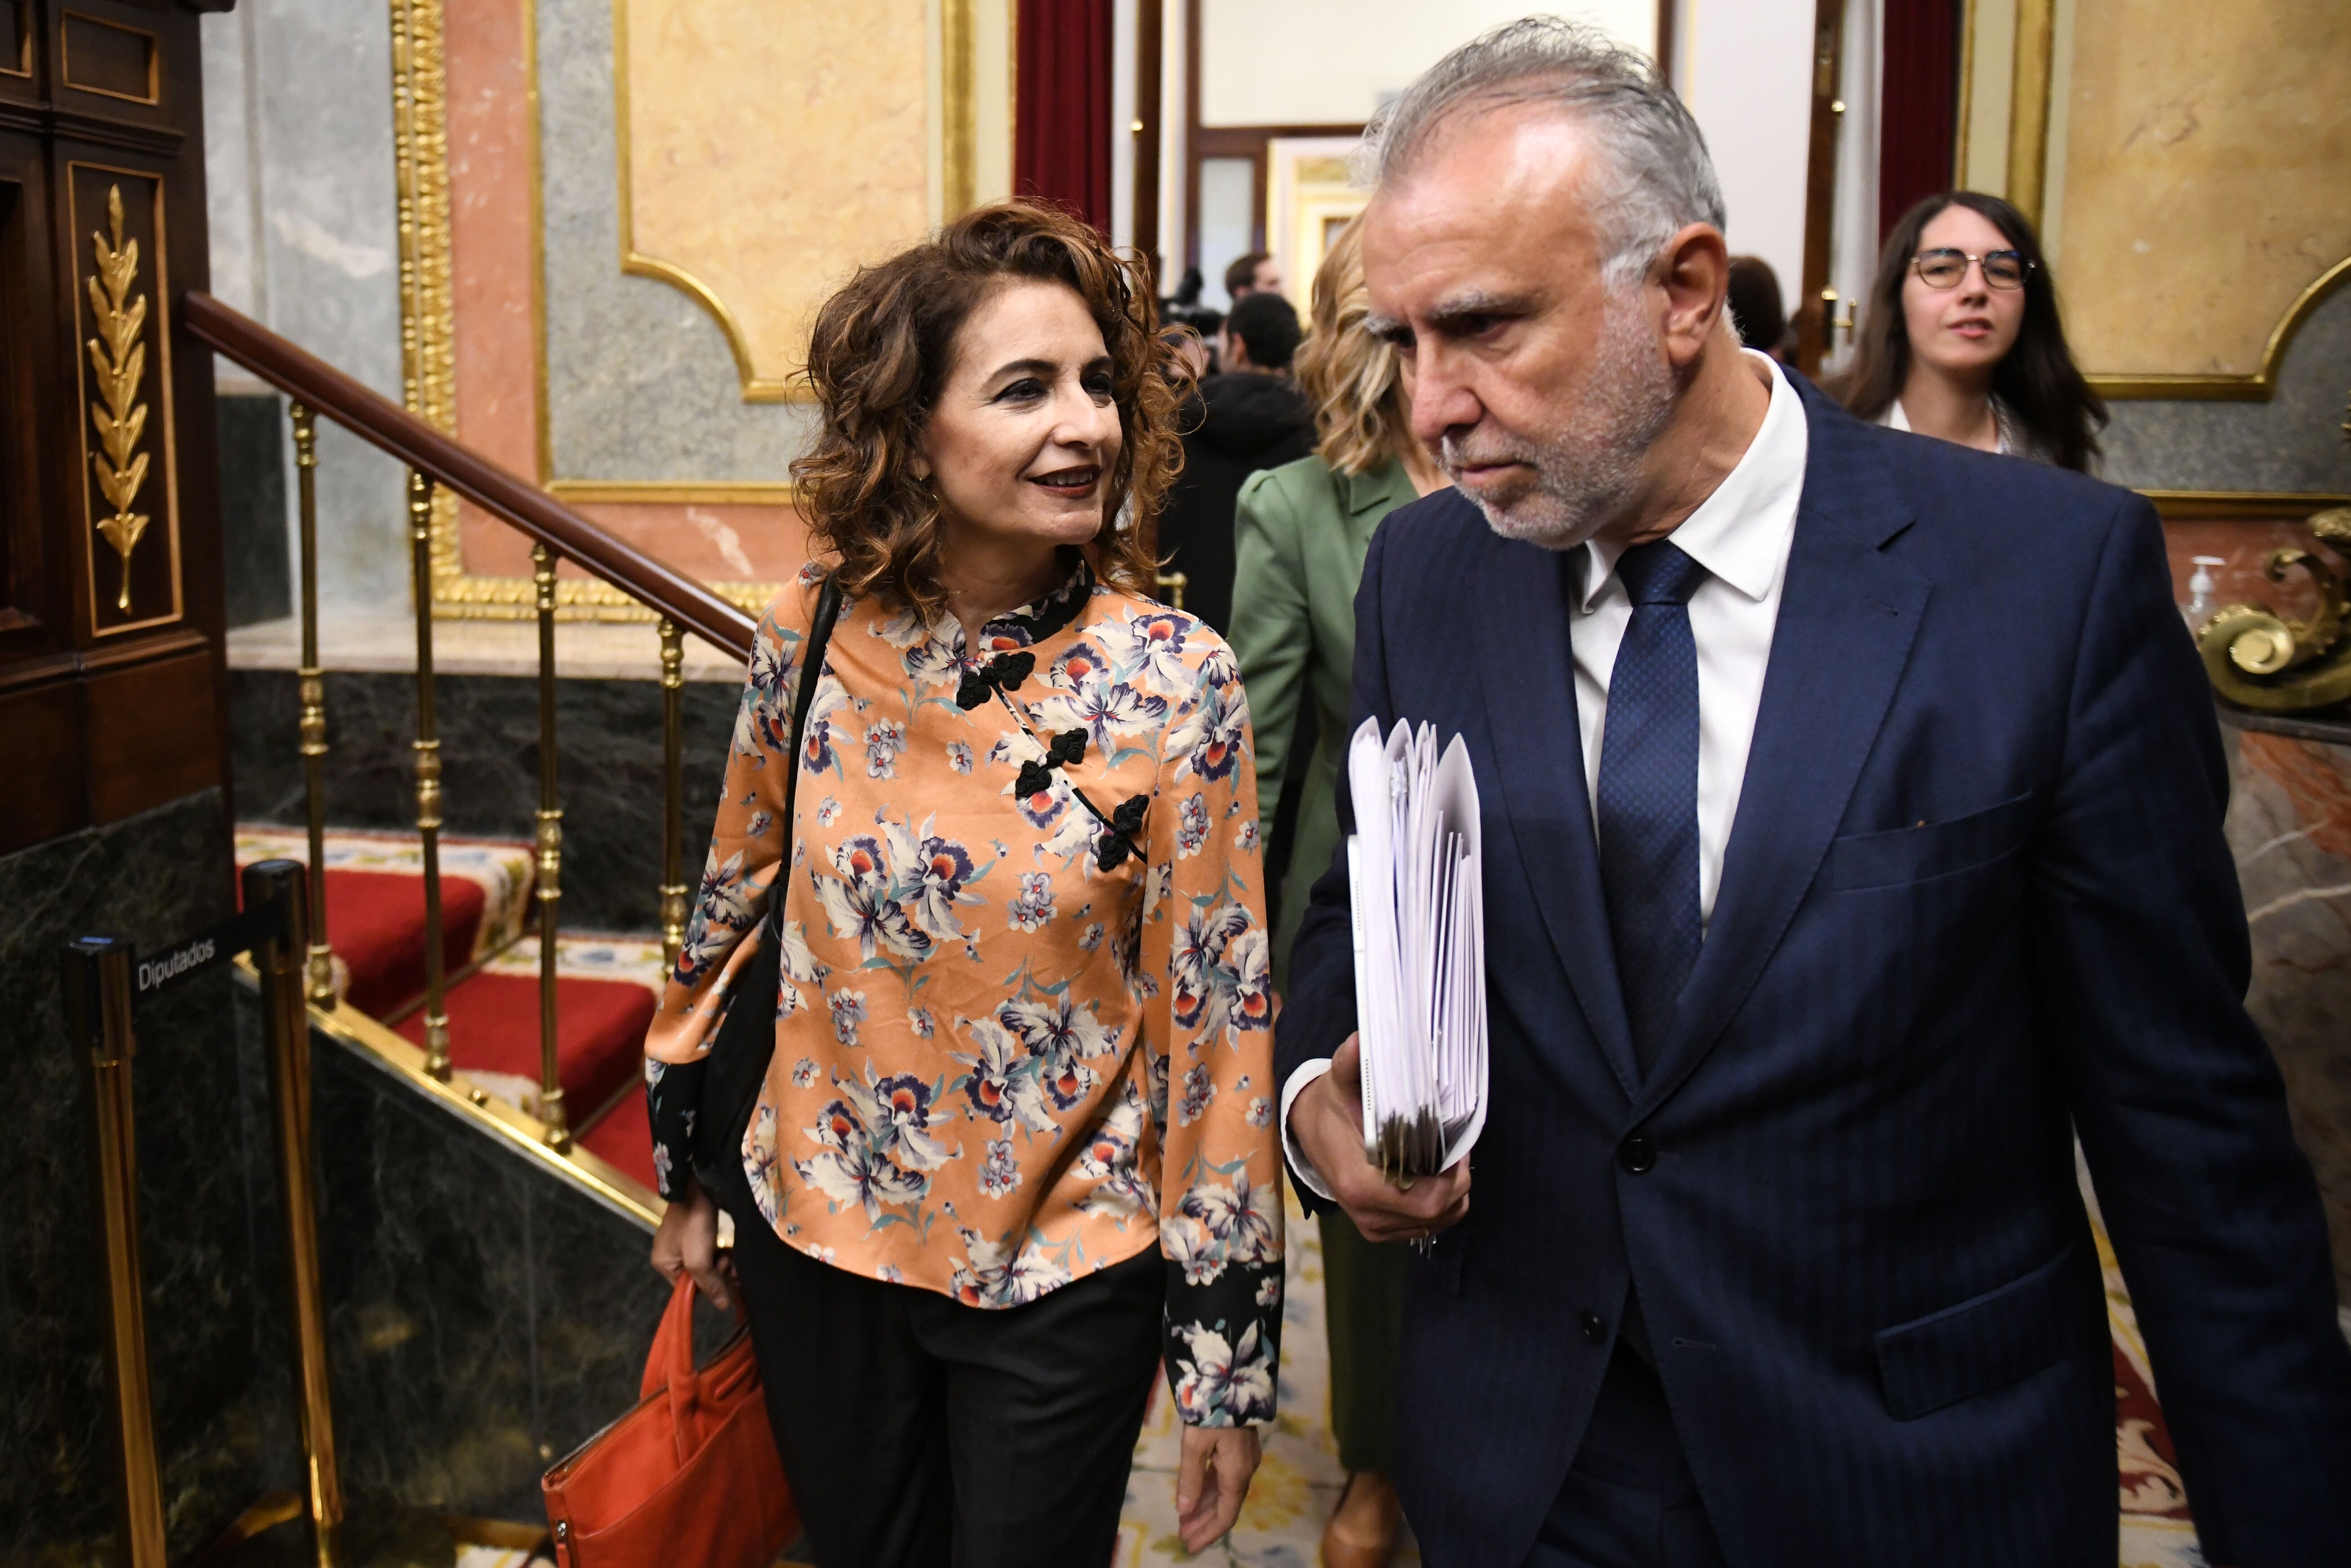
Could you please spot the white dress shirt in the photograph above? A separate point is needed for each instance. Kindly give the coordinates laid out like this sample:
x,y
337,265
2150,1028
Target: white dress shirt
x,y
1741,535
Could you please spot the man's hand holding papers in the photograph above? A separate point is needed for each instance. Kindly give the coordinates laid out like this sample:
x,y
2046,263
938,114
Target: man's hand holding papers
x,y
1389,1127
1327,1122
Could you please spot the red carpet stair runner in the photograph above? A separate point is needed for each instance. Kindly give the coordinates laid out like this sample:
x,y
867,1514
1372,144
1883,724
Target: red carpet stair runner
x,y
606,987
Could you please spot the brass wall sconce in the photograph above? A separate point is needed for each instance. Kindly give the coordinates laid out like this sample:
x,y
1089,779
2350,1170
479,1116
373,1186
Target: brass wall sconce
x,y
2260,660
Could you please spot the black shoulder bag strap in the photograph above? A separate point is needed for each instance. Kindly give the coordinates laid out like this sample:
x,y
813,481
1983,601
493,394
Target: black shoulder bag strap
x,y
738,1063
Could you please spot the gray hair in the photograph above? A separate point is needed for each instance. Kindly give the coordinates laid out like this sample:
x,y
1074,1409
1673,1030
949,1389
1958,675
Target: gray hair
x,y
1658,177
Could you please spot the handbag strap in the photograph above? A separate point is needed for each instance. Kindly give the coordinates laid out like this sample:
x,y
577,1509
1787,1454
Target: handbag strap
x,y
828,611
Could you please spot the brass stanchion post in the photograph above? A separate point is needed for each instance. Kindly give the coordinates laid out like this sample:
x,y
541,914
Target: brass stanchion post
x,y
286,1031
97,1010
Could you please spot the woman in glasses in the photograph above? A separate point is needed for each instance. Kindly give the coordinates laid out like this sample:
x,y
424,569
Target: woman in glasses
x,y
1015,1142
1961,338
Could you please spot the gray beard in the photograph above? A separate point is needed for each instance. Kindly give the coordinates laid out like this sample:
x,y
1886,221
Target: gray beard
x,y
1587,466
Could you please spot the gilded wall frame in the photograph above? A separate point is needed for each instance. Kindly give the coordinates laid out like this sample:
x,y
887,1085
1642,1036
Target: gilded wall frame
x,y
2024,52
428,325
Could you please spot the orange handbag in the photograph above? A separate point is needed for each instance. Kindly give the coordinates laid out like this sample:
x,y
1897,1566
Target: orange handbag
x,y
689,1477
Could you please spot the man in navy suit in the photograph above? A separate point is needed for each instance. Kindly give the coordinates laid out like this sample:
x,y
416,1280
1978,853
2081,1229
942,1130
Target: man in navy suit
x,y
1852,842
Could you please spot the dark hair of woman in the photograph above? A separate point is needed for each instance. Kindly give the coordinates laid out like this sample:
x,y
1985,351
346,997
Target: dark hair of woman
x,y
1755,306
882,349
2037,381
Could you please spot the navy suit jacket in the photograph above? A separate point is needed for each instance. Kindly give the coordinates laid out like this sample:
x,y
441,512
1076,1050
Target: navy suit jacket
x,y
1976,899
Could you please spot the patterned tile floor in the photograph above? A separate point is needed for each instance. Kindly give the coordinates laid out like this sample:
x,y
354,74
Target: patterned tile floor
x,y
1297,1486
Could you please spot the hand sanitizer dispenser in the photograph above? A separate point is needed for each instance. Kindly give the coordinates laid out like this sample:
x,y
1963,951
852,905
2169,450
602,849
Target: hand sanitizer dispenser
x,y
2201,606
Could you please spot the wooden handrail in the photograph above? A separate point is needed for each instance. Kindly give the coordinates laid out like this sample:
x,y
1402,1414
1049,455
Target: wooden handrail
x,y
385,424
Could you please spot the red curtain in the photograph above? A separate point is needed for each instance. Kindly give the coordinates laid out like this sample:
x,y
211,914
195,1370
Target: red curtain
x,y
1060,126
1918,105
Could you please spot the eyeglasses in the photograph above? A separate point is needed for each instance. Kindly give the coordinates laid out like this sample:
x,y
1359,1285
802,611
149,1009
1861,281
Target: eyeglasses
x,y
1943,268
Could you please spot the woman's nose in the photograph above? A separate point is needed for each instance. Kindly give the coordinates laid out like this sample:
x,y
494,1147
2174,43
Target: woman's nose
x,y
1085,422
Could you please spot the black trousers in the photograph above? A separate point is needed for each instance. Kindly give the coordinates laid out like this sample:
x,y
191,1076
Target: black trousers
x,y
1629,1500
920,1433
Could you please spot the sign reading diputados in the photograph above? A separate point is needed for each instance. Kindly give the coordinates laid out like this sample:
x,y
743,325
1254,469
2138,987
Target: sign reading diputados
x,y
1415,882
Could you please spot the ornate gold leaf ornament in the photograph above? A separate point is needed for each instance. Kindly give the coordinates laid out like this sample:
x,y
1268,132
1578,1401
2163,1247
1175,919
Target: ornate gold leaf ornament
x,y
120,359
2258,659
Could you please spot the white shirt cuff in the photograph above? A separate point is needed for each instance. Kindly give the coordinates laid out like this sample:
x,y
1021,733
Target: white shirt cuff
x,y
1299,1163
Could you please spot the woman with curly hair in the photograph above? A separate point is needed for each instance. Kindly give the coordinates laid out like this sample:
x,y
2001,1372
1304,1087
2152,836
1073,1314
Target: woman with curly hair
x,y
1299,537
1015,1144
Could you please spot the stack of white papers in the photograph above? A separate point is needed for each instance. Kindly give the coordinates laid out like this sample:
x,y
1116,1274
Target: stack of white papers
x,y
1416,885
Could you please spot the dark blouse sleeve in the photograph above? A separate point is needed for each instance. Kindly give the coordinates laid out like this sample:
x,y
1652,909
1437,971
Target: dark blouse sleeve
x,y
673,1094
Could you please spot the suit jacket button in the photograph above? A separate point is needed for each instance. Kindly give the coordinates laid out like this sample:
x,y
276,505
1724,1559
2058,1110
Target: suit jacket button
x,y
1594,1327
1637,1154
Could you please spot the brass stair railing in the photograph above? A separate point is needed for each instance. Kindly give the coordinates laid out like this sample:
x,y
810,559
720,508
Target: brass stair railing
x,y
556,533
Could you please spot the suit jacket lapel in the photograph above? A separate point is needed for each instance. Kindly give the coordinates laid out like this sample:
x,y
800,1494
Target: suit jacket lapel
x,y
1363,493
1528,676
1847,617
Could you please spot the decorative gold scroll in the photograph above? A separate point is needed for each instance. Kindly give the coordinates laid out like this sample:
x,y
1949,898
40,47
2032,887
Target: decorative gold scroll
x,y
119,359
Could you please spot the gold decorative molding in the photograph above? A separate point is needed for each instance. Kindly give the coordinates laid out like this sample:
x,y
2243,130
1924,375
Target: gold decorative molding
x,y
428,326
1966,94
2258,385
420,137
118,360
2259,659
2240,506
956,139
428,337
637,263
420,140
139,447
958,116
2029,106
2015,46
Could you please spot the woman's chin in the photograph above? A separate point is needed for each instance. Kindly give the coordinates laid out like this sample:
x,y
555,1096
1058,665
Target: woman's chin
x,y
1070,527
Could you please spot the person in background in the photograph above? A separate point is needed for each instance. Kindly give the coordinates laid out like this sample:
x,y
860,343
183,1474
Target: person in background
x,y
1757,311
1261,337
1189,347
1299,532
967,1223
1961,338
1183,309
1252,274
1250,416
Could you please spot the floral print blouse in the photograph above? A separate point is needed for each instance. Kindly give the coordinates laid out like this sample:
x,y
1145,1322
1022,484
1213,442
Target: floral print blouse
x,y
1020,1038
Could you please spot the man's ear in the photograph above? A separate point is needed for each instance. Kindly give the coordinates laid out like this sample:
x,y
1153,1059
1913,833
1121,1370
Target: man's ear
x,y
1694,271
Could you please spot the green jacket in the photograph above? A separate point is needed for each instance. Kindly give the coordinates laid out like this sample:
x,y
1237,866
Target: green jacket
x,y
1300,533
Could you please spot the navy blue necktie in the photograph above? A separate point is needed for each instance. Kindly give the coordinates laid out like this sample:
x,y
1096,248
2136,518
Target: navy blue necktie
x,y
1649,793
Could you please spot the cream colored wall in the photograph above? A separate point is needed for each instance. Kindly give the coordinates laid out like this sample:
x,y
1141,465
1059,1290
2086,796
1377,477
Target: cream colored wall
x,y
1744,67
1327,62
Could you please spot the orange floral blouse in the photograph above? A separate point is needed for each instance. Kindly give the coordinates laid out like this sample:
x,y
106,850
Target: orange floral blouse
x,y
1008,1052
